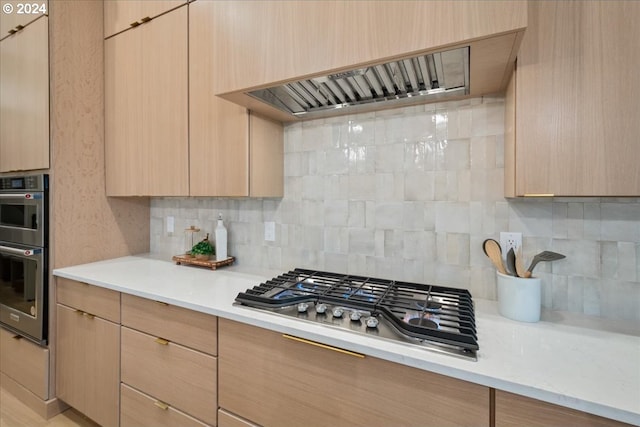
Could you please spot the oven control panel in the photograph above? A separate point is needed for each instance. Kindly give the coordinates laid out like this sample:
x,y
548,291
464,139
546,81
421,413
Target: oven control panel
x,y
9,184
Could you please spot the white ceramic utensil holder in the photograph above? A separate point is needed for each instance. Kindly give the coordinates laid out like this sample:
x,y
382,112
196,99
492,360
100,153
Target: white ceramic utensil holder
x,y
519,298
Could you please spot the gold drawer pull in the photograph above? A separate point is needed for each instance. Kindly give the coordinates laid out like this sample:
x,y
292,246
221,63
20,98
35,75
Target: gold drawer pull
x,y
161,341
79,311
538,194
145,19
161,405
134,24
162,303
89,315
327,347
17,337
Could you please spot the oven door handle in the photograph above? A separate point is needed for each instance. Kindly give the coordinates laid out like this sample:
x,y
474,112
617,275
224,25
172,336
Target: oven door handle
x,y
28,196
21,252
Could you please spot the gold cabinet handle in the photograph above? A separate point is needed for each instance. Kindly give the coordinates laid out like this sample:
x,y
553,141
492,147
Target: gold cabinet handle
x,y
88,315
162,303
134,24
78,311
161,341
145,19
17,337
327,347
538,194
161,405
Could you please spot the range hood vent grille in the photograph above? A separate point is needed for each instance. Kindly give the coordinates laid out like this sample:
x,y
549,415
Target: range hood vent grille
x,y
427,77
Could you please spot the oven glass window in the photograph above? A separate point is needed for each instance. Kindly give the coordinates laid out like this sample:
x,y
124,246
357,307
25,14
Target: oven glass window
x,y
19,215
18,281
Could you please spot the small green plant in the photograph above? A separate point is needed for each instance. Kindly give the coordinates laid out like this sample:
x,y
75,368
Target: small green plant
x,y
204,247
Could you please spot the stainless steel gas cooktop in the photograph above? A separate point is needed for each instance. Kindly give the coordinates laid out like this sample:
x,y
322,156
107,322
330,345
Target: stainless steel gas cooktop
x,y
433,317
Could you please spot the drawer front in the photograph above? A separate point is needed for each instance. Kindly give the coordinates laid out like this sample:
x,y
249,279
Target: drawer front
x,y
141,410
98,301
171,323
513,410
300,384
227,419
179,376
25,362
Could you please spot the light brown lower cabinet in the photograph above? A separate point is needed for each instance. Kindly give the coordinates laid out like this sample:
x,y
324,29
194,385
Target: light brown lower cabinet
x,y
25,362
272,380
88,363
138,409
512,410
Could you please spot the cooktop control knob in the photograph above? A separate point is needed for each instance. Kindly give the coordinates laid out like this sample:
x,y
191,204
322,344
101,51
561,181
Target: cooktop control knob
x,y
321,308
338,311
372,322
355,315
302,307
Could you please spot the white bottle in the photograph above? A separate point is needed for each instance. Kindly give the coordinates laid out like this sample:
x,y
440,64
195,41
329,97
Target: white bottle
x,y
221,240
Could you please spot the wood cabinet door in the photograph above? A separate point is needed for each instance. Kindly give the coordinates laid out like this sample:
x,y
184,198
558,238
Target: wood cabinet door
x,y
120,15
577,100
146,109
25,362
218,129
19,14
271,380
24,99
88,364
232,153
515,411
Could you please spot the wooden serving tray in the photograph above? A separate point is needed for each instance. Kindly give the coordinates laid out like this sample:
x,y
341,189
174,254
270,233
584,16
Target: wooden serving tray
x,y
212,264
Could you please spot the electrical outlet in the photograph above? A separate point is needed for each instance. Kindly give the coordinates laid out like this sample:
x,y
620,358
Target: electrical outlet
x,y
510,240
270,231
170,224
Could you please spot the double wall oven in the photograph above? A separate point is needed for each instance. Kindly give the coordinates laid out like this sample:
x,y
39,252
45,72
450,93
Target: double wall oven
x,y
24,255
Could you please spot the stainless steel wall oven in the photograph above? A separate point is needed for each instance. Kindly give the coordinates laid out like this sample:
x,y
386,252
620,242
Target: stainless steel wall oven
x,y
24,268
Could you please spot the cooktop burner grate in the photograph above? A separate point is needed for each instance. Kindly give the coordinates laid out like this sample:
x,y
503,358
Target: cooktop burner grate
x,y
418,313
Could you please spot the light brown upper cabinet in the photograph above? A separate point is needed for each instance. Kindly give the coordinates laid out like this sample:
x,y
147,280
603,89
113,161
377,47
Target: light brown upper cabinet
x,y
24,99
17,14
261,43
146,108
122,14
572,123
232,152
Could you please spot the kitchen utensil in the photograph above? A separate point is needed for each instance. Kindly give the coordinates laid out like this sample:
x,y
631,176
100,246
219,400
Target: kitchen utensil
x,y
519,265
493,251
543,256
511,262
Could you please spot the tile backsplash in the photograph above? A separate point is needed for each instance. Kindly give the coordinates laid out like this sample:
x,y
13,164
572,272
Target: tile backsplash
x,y
411,194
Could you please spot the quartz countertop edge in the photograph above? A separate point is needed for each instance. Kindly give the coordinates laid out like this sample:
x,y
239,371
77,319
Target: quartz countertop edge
x,y
564,365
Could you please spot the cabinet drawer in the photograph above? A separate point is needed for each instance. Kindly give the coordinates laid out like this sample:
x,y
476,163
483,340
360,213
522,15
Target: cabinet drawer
x,y
140,410
171,323
513,410
25,362
227,419
179,376
98,301
273,381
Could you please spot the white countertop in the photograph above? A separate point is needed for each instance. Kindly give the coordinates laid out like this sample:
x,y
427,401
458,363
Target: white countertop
x,y
582,368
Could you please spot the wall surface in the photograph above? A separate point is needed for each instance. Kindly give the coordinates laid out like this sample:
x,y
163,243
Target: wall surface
x,y
86,225
411,194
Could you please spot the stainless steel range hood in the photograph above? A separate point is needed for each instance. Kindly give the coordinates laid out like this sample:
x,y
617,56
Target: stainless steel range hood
x,y
422,78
